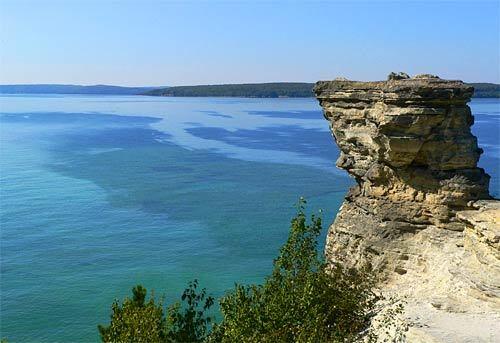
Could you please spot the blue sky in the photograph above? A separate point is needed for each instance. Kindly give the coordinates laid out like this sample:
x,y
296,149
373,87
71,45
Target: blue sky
x,y
207,42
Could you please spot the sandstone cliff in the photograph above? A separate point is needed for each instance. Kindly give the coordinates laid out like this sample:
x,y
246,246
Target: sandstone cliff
x,y
420,213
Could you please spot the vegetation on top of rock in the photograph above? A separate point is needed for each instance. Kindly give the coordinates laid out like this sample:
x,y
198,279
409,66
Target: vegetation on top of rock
x,y
398,76
303,300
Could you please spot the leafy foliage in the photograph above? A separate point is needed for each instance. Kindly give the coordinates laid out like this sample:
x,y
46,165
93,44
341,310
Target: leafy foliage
x,y
302,301
135,320
190,324
139,321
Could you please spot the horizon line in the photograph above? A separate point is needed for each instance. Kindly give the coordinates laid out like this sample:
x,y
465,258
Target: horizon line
x,y
190,85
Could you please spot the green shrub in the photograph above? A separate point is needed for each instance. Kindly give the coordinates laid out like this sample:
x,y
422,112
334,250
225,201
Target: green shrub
x,y
189,323
135,320
303,300
139,321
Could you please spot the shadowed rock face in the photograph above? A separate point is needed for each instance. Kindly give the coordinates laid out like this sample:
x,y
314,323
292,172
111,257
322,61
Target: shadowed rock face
x,y
413,214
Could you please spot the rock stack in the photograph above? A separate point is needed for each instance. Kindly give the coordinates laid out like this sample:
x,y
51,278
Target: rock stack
x,y
408,144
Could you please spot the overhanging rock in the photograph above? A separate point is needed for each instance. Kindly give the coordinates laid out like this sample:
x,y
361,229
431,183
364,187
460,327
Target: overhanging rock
x,y
413,212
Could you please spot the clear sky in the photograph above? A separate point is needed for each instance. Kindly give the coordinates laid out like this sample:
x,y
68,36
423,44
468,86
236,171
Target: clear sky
x,y
207,42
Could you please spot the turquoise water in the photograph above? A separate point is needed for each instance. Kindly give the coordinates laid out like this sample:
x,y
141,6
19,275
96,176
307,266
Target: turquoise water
x,y
99,193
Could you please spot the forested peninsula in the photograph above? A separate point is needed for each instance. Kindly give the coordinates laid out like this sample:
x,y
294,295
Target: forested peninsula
x,y
279,90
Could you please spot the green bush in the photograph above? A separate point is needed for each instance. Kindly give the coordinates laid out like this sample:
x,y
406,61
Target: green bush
x,y
138,321
189,323
135,320
303,300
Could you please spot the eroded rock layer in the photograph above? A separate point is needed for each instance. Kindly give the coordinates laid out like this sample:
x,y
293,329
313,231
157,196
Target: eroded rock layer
x,y
415,212
409,146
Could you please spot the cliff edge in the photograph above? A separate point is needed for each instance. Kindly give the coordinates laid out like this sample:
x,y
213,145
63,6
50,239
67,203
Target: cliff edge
x,y
420,213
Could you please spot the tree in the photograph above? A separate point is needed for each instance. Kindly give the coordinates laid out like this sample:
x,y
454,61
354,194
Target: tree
x,y
139,321
190,323
135,320
303,300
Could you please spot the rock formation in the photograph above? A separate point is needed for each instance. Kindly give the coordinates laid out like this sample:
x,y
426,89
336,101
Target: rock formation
x,y
420,212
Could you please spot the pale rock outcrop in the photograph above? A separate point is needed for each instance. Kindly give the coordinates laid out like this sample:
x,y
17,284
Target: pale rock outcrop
x,y
420,213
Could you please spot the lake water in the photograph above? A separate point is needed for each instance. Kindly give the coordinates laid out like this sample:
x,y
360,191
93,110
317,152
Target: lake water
x,y
99,193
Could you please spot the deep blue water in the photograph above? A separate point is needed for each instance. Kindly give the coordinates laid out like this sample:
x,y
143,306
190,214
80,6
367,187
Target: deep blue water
x,y
99,193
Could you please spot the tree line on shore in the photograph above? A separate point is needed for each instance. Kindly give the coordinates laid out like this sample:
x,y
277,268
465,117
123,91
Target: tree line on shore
x,y
250,90
279,90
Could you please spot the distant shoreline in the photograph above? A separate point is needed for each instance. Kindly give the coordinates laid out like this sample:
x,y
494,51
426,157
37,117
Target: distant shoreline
x,y
279,90
72,89
273,90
